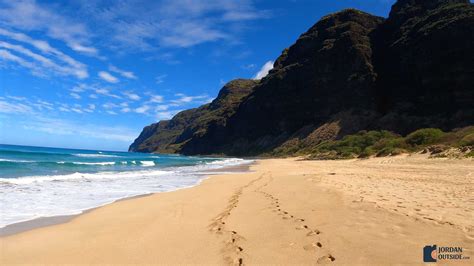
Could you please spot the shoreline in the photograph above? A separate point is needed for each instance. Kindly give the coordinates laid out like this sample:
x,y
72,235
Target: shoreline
x,y
24,226
373,211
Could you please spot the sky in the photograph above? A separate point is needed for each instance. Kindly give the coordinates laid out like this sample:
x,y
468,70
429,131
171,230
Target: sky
x,y
91,74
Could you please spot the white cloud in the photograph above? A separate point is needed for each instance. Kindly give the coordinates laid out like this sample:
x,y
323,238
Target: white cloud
x,y
186,34
132,96
123,73
156,99
105,92
64,109
125,110
171,23
107,77
14,108
40,104
264,70
239,15
160,78
28,15
79,88
77,110
249,66
165,115
109,105
142,109
7,56
17,98
185,99
57,62
131,26
90,108
111,112
75,95
96,89
162,107
22,105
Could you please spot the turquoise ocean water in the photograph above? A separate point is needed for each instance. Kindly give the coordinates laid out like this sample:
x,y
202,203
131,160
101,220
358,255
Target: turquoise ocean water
x,y
41,182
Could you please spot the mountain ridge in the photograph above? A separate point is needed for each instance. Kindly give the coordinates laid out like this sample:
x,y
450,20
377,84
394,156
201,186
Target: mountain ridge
x,y
351,71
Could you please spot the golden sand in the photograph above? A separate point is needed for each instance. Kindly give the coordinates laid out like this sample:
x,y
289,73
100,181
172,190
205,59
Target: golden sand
x,y
376,211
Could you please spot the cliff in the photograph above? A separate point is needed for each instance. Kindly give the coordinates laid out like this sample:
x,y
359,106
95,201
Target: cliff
x,y
170,136
351,71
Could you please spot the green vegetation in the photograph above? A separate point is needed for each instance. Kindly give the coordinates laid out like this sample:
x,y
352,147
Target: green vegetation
x,y
384,143
467,140
424,136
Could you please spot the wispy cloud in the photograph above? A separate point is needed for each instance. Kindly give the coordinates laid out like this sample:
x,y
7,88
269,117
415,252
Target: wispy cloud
x,y
106,92
96,90
75,95
14,108
156,99
142,109
40,104
109,105
125,110
30,16
185,99
249,66
121,72
51,59
20,105
166,115
108,77
132,96
171,23
7,56
249,14
160,78
264,70
110,112
90,108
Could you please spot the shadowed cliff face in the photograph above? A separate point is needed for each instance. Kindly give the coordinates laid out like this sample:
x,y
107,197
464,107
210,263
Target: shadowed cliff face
x,y
170,136
350,71
425,64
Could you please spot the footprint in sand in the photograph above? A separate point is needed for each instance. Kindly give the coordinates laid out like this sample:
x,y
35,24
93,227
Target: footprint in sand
x,y
313,232
312,246
301,227
328,258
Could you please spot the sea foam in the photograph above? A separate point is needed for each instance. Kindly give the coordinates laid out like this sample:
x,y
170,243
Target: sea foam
x,y
29,197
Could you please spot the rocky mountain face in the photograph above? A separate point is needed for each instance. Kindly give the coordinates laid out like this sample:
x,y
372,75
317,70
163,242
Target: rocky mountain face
x,y
171,136
351,71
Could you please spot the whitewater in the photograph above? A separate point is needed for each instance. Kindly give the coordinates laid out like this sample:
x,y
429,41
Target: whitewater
x,y
43,182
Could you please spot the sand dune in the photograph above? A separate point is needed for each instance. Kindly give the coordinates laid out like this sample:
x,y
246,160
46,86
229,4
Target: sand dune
x,y
286,211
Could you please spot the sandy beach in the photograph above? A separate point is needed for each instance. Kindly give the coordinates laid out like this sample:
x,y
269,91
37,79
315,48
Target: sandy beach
x,y
284,211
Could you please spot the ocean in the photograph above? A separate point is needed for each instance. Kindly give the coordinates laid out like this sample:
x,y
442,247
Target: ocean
x,y
43,182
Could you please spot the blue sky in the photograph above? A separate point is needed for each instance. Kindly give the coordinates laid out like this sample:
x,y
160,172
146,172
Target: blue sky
x,y
91,74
